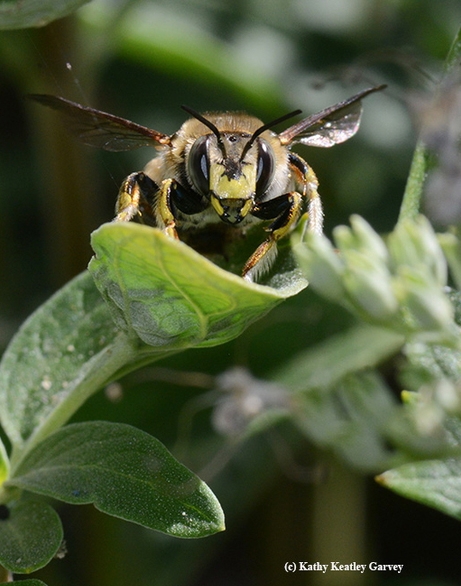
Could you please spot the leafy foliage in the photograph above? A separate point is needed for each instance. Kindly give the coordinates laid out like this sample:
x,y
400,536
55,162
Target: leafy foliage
x,y
163,297
400,285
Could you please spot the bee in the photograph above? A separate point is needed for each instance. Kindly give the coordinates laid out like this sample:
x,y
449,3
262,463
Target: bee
x,y
227,169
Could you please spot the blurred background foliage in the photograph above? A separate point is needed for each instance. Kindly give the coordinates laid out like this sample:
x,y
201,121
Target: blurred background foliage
x,y
141,59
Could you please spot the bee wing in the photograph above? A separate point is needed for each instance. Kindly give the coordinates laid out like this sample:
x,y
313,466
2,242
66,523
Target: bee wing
x,y
330,126
102,130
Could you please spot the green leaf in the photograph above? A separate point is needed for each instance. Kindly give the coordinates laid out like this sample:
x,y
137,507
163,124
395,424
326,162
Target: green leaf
x,y
30,537
433,362
164,296
124,472
62,353
432,482
326,364
16,14
168,295
352,420
435,483
340,407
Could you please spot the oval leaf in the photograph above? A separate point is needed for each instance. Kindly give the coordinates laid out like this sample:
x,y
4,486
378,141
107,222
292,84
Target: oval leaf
x,y
124,472
162,291
30,537
16,14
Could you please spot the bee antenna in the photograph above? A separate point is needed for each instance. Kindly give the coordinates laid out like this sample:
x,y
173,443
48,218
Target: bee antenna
x,y
210,125
264,127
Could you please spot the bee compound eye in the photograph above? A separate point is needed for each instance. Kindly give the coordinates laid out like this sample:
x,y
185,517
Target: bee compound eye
x,y
266,167
198,165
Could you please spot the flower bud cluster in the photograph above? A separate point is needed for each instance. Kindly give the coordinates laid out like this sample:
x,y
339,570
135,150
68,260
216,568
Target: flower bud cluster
x,y
398,283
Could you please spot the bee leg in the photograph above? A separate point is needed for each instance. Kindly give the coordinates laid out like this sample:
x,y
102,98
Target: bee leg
x,y
173,199
163,209
286,210
307,180
133,198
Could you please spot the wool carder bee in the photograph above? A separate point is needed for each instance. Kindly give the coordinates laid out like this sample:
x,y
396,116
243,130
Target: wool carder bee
x,y
229,169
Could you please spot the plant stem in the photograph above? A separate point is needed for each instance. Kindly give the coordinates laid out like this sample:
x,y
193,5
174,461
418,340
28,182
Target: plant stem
x,y
454,55
411,202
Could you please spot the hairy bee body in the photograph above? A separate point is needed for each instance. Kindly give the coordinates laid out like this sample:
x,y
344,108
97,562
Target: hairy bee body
x,y
220,173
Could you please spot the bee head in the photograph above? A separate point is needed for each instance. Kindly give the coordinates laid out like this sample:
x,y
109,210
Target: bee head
x,y
231,168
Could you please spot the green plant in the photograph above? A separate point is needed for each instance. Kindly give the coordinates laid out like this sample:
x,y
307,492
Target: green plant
x,y
160,297
146,297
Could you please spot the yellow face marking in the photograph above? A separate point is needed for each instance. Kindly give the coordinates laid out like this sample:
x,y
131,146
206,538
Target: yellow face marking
x,y
224,187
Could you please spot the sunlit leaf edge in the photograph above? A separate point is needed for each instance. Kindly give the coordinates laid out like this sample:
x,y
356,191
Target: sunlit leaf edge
x,y
126,231
168,295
